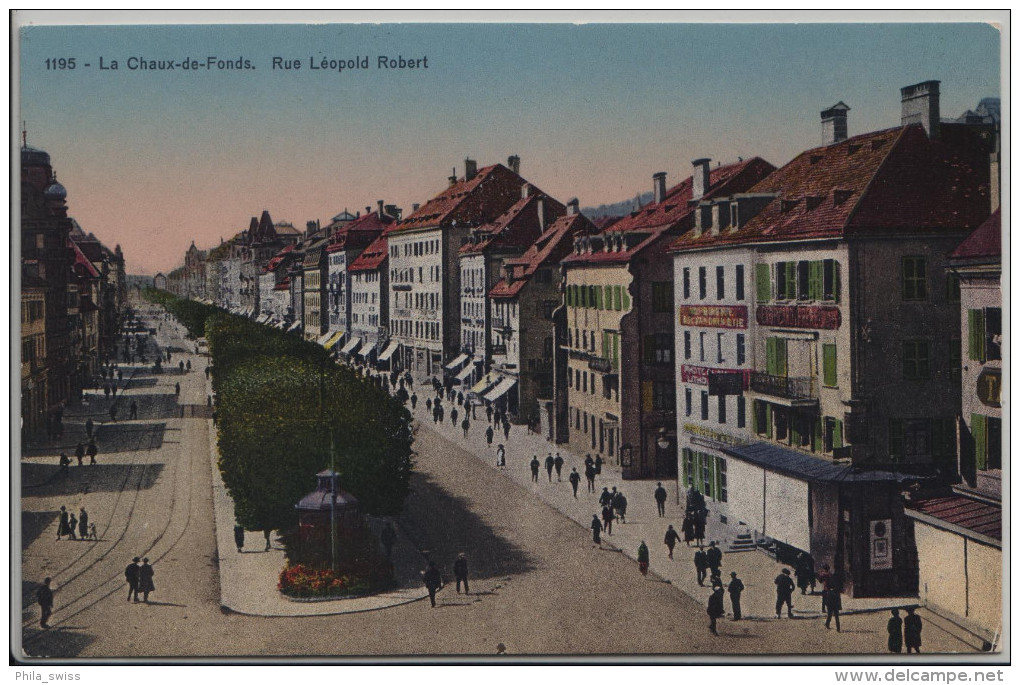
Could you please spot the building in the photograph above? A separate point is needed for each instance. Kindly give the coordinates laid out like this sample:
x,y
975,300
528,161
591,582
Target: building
x,y
522,305
34,405
274,288
159,282
819,380
316,317
264,241
619,380
425,266
482,257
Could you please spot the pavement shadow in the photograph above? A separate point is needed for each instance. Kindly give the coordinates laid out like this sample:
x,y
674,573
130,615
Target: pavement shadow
x,y
59,641
35,523
444,525
130,437
46,480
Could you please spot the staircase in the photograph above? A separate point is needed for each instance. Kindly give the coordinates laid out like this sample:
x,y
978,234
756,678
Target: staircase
x,y
743,542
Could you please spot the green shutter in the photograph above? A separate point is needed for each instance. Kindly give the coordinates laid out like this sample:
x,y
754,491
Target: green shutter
x,y
829,365
712,474
791,280
976,334
616,352
598,297
794,420
717,463
768,421
817,444
616,298
815,276
979,431
698,479
763,283
625,297
837,434
755,418
770,356
896,439
685,479
781,357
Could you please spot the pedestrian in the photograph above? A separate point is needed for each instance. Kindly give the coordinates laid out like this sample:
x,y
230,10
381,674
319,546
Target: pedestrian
x,y
63,524
441,412
558,463
145,584
239,537
188,366
92,451
388,537
805,572
895,630
534,469
465,424
79,453
83,524
453,416
207,373
113,413
620,506
488,436
506,430
433,581
180,365
825,578
428,404
131,576
735,588
671,540
833,605
589,474
607,519
460,573
266,532
642,558
488,413
598,464
660,499
92,533
549,464
106,391
177,389
72,526
596,530
134,410
501,456
120,374
784,593
88,427
912,631
714,557
715,609
113,390
700,565
414,401
575,480
606,497
44,595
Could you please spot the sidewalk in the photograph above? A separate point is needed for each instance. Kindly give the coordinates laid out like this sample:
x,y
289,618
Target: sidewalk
x,y
755,568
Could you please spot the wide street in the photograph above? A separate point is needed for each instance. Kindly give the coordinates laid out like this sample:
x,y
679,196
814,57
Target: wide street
x,y
539,586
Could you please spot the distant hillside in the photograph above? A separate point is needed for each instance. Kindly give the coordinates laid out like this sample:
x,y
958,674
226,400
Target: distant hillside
x,y
620,208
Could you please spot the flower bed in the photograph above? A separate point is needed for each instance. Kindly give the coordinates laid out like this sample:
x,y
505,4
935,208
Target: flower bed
x,y
304,582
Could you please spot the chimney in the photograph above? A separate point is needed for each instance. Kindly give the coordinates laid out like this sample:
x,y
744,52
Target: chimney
x,y
921,106
540,206
525,190
415,206
514,163
700,180
572,207
381,208
453,177
834,123
470,169
659,187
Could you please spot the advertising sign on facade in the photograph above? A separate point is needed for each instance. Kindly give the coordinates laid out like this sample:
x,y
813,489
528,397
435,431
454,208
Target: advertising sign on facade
x,y
698,375
881,545
713,316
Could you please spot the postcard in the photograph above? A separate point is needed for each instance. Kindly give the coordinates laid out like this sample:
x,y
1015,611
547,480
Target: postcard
x,y
562,341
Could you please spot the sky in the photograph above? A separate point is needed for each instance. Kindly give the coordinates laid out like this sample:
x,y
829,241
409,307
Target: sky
x,y
156,159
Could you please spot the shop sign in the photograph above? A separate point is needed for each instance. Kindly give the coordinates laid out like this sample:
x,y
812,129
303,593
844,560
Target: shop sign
x,y
713,316
698,375
989,387
714,436
822,318
881,545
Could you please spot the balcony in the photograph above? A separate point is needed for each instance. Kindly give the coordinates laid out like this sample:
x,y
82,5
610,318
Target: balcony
x,y
793,392
600,364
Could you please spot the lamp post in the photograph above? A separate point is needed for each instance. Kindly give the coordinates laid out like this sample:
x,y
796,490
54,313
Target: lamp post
x,y
663,443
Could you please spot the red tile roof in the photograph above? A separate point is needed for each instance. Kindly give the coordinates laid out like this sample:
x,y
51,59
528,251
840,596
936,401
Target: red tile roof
x,y
278,259
475,202
886,180
675,214
985,241
550,248
517,227
359,233
81,262
973,514
373,256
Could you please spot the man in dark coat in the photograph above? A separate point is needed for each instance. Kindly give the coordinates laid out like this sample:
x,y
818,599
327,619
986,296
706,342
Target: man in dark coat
x,y
784,593
833,605
83,524
895,629
145,584
607,519
701,565
92,451
63,526
44,595
805,572
575,480
88,427
715,609
131,576
134,410
549,464
620,506
735,588
239,537
912,631
79,453
660,499
453,416
589,475
534,469
465,424
506,430
598,464
714,556
558,463
414,401
460,572
606,498
433,581
488,436
671,540
596,530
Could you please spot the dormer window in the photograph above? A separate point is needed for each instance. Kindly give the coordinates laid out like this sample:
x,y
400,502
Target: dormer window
x,y
814,202
734,216
852,149
787,205
815,159
841,196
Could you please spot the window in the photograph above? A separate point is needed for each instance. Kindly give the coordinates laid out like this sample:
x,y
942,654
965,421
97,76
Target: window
x,y
804,273
687,283
739,281
701,349
704,405
720,471
584,381
741,352
763,284
663,397
720,282
830,280
722,408
952,287
741,412
986,432
687,401
662,297
955,359
829,365
915,278
762,418
687,344
702,282
658,348
915,360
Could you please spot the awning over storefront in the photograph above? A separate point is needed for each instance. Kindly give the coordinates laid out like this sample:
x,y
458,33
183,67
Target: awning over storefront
x,y
804,466
333,339
351,345
388,352
294,326
456,363
501,388
465,373
366,350
489,380
323,338
264,318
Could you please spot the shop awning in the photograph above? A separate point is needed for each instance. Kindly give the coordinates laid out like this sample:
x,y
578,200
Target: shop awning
x,y
388,352
351,345
333,339
323,338
366,350
501,388
805,467
264,318
465,373
294,326
487,382
455,364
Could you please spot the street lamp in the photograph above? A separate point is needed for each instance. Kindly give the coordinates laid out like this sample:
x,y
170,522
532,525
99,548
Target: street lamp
x,y
625,455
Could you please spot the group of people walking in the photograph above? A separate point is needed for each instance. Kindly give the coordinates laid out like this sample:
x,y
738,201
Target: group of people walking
x,y
139,579
433,579
76,528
